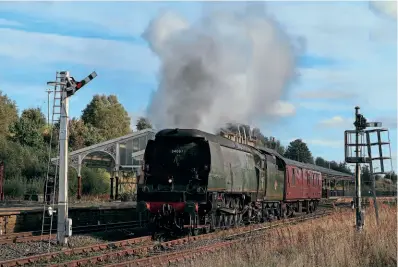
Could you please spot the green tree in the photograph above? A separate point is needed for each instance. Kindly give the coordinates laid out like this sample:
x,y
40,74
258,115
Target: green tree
x,y
54,131
344,168
83,135
28,130
333,165
92,135
77,134
272,143
299,151
107,115
8,114
80,135
365,174
143,123
11,155
341,167
34,162
319,161
22,162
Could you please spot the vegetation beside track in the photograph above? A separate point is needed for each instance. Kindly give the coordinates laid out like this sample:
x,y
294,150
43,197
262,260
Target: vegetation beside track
x,y
123,250
330,241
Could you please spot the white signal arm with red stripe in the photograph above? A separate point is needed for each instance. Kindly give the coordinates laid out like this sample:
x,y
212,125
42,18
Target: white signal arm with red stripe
x,y
72,86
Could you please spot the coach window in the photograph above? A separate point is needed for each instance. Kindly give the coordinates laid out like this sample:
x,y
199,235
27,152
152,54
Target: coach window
x,y
298,176
291,177
308,178
294,177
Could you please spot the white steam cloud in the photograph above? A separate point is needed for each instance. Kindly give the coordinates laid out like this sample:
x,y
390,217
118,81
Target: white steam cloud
x,y
388,8
227,67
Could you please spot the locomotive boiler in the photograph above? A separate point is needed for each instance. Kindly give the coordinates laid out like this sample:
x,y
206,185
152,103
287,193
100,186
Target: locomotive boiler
x,y
195,180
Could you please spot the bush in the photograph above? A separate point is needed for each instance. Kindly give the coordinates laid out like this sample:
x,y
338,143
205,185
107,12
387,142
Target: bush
x,y
14,188
34,187
17,188
95,181
21,161
72,182
11,154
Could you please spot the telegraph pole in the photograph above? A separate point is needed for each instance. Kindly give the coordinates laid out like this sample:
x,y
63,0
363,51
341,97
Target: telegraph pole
x,y
49,91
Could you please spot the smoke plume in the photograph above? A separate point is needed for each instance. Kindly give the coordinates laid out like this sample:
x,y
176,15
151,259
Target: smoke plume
x,y
231,66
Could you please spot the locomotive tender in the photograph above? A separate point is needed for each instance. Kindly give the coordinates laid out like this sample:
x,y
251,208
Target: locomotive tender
x,y
199,179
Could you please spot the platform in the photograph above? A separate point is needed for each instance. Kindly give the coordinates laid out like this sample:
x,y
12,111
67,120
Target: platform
x,y
22,217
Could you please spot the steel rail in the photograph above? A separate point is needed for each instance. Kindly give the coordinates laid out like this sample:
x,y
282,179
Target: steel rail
x,y
185,240
32,236
184,254
74,251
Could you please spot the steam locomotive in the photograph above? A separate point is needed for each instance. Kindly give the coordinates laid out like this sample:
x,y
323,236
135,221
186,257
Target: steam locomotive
x,y
199,181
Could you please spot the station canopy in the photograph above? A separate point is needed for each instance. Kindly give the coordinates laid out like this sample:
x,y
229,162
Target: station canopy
x,y
122,153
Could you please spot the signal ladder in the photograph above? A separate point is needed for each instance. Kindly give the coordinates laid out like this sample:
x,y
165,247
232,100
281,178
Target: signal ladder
x,y
50,191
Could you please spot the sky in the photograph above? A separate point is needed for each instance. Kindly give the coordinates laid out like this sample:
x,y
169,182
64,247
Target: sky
x,y
349,58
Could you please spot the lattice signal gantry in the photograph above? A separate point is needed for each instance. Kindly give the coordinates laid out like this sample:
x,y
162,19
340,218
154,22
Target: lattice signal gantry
x,y
373,146
350,147
379,150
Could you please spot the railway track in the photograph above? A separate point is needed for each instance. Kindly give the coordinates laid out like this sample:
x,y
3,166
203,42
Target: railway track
x,y
36,235
173,254
56,257
142,251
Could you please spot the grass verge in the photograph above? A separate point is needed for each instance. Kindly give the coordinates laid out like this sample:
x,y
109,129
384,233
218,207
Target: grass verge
x,y
330,241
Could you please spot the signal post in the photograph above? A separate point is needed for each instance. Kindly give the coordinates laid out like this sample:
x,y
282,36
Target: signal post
x,y
68,87
362,144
